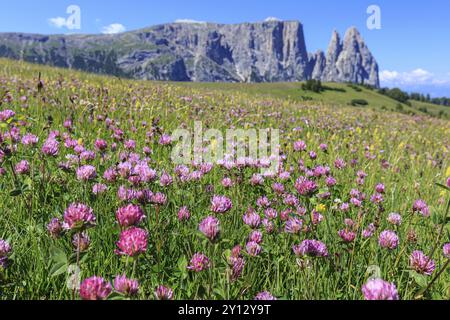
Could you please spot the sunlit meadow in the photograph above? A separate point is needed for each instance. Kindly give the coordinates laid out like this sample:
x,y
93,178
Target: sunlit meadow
x,y
93,207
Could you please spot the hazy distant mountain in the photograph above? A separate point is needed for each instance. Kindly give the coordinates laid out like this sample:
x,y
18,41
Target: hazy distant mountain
x,y
249,52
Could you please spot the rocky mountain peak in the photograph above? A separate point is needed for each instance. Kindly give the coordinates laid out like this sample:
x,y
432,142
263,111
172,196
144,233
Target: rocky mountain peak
x,y
265,51
348,61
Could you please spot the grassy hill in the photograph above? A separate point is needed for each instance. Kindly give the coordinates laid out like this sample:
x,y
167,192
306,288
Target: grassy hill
x,y
336,94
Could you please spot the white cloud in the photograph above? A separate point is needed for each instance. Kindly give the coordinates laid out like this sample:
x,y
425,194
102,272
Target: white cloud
x,y
270,19
114,28
412,78
419,80
58,22
188,21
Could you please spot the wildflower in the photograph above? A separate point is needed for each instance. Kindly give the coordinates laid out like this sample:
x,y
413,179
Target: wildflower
x,y
421,263
361,174
23,167
255,236
339,163
165,179
184,214
81,241
130,215
313,248
206,168
278,188
285,175
263,202
446,250
270,213
7,114
412,236
132,242
68,124
165,140
199,262
5,248
95,288
101,145
257,180
125,286
293,225
369,231
79,149
237,268
395,219
378,289
347,235
330,181
290,200
235,253
50,147
220,204
78,216
124,169
159,198
163,293
284,214
99,188
344,207
110,175
227,182
55,228
421,207
29,140
299,146
210,227
130,144
377,198
380,188
147,150
356,202
305,186
388,239
252,218
265,296
268,225
253,248
86,173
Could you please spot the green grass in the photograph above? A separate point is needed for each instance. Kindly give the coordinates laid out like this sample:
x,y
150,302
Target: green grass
x,y
342,95
409,155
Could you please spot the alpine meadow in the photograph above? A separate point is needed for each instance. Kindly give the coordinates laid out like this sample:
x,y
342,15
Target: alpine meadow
x,y
234,158
93,206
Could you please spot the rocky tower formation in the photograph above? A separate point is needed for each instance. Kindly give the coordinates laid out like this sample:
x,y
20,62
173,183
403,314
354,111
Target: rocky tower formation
x,y
347,61
249,52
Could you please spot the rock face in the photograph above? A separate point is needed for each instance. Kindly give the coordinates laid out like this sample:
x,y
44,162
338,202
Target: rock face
x,y
250,52
348,60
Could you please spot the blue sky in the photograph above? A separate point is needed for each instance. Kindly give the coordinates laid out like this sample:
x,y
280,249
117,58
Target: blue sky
x,y
412,47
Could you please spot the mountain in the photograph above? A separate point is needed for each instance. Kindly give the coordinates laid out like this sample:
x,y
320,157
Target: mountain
x,y
268,51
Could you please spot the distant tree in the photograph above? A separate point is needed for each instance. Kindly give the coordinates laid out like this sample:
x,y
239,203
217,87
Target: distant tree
x,y
395,94
359,102
313,85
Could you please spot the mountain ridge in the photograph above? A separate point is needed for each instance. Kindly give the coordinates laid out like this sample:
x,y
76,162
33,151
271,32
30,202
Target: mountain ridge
x,y
270,51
